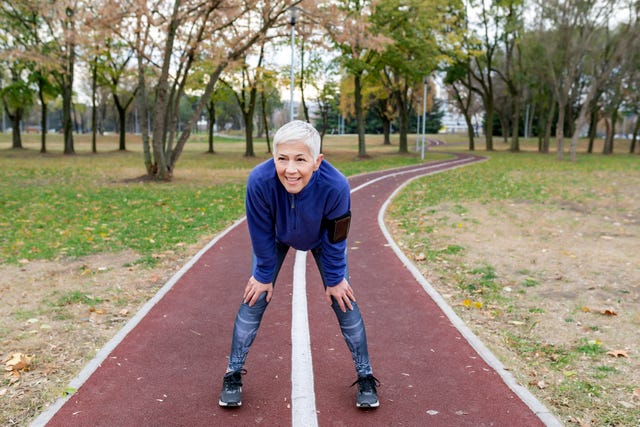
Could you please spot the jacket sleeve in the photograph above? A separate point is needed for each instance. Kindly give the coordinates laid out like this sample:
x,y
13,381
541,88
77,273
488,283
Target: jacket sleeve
x,y
261,222
334,255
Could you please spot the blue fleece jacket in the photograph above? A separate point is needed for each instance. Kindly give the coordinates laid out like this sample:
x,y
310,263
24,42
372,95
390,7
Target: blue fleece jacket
x,y
273,215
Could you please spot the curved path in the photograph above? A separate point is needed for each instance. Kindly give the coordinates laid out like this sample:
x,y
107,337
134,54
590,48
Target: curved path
x,y
165,367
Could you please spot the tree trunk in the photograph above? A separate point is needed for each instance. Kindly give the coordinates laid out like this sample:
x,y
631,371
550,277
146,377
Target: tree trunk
x,y
386,129
122,119
607,126
122,139
211,109
66,80
515,141
504,124
403,125
67,123
141,98
94,111
248,114
593,126
16,137
248,135
636,129
488,104
560,132
265,119
470,132
547,129
611,132
362,151
43,120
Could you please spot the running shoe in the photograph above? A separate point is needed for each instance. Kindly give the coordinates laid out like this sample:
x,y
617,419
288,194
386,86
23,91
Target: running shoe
x,y
367,396
231,394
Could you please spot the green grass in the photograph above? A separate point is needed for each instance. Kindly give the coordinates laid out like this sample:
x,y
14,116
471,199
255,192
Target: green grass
x,y
524,177
54,206
75,297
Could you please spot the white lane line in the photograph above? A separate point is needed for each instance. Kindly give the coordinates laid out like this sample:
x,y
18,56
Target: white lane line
x,y
303,398
425,169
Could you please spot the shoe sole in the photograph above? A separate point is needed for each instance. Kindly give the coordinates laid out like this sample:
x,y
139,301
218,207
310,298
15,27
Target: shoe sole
x,y
229,404
367,405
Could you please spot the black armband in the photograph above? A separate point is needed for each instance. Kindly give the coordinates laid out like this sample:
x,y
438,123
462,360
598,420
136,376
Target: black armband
x,y
338,229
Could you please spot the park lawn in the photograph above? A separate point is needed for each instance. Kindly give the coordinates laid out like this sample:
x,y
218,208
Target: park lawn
x,y
56,209
55,206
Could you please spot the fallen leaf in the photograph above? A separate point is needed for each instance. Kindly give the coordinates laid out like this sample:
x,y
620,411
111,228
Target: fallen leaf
x,y
466,303
618,353
67,391
586,309
421,257
18,362
609,312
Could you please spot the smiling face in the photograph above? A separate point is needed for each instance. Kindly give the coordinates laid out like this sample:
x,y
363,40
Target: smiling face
x,y
295,165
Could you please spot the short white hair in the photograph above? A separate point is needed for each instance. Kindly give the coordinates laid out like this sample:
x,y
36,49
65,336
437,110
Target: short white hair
x,y
298,131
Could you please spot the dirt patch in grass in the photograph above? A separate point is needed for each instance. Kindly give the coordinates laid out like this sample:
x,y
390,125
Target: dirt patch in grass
x,y
58,314
553,290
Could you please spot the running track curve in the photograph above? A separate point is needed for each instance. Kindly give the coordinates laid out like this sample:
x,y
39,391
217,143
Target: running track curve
x,y
164,367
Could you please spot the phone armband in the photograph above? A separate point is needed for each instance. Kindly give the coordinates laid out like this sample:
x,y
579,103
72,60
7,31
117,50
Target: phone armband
x,y
338,228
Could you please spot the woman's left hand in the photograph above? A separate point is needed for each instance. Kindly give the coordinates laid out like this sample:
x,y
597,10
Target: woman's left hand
x,y
343,293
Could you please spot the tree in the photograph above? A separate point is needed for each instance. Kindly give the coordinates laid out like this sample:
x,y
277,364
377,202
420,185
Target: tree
x,y
115,72
24,48
347,24
327,102
413,52
269,102
62,29
246,93
572,27
16,96
608,58
220,32
512,70
458,81
380,100
482,67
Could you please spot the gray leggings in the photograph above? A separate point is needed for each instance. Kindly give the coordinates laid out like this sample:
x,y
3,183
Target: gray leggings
x,y
248,321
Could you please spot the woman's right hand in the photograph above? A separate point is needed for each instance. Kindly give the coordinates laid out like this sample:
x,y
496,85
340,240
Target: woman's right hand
x,y
254,289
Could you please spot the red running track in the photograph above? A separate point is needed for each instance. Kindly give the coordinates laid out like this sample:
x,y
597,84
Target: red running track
x,y
165,367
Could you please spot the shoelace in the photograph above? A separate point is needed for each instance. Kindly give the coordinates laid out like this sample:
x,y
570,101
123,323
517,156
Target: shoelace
x,y
366,384
234,380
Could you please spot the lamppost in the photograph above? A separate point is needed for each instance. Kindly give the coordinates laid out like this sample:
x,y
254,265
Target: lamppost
x,y
294,12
